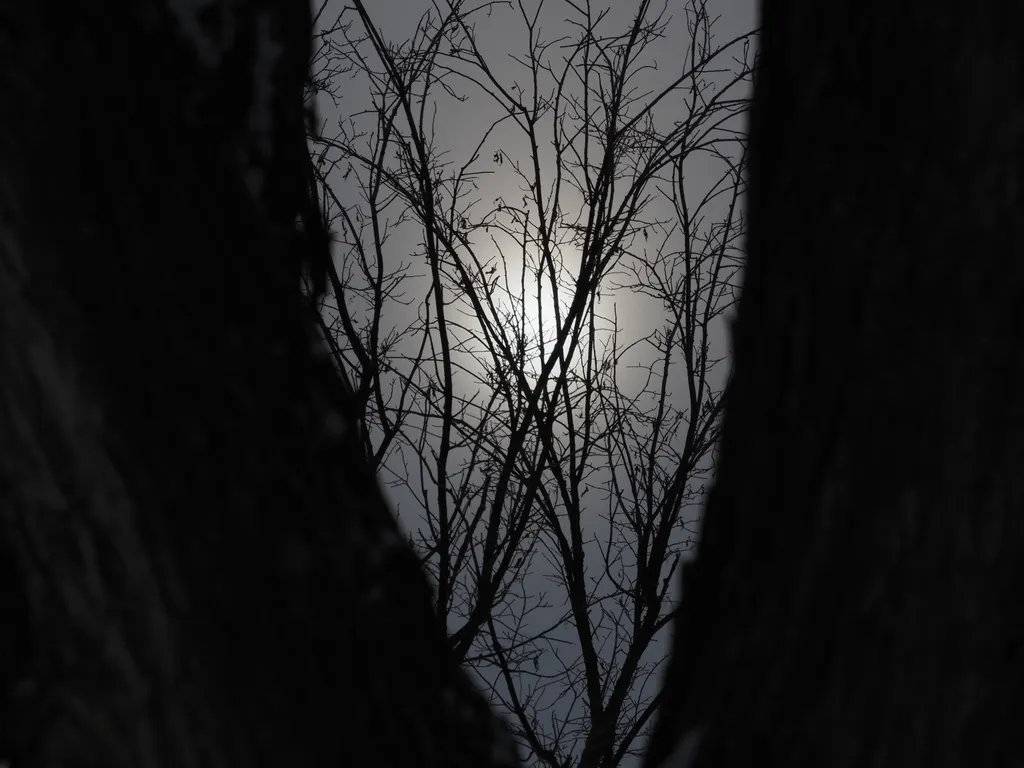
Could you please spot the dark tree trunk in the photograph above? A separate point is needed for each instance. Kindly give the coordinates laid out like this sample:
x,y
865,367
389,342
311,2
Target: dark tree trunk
x,y
196,567
856,599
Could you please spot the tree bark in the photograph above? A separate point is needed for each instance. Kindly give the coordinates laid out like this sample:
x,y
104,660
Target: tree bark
x,y
197,566
856,595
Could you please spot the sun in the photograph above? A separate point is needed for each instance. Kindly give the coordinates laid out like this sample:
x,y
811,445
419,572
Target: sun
x,y
530,310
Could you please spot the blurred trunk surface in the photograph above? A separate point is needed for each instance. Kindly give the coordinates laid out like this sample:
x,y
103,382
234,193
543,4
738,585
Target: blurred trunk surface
x,y
196,567
856,596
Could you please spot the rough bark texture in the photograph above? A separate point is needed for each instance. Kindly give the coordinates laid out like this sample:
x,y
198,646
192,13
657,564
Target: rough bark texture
x,y
196,567
856,599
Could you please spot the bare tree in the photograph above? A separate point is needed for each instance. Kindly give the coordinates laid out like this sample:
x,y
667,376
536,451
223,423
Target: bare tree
x,y
537,436
184,583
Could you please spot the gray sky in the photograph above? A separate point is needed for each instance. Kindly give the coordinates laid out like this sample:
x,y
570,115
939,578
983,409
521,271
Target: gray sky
x,y
458,128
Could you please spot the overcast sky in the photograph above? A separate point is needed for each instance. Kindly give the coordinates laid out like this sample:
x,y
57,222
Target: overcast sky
x,y
458,129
